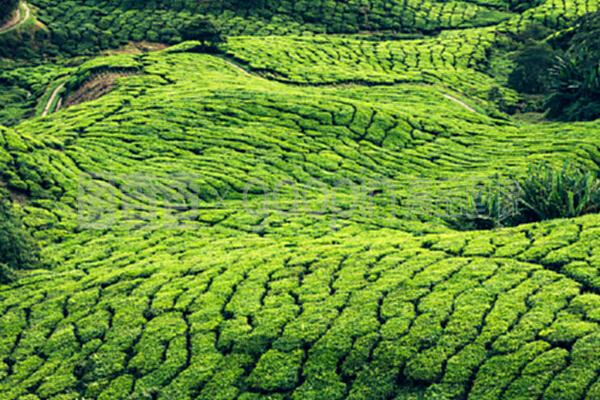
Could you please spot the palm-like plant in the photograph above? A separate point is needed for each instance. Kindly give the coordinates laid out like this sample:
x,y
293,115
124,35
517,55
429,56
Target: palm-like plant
x,y
489,206
575,77
545,193
548,193
565,88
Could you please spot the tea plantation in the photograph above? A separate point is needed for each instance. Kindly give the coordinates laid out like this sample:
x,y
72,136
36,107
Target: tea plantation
x,y
269,220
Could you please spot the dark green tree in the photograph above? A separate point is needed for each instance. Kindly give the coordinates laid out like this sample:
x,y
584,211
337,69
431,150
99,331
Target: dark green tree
x,y
203,30
533,64
7,8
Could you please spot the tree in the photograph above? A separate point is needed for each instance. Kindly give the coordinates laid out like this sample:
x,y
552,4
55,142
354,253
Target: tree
x,y
533,64
7,8
203,30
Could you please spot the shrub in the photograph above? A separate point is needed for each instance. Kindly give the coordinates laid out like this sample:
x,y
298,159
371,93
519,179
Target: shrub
x,y
574,91
18,250
545,193
583,41
491,206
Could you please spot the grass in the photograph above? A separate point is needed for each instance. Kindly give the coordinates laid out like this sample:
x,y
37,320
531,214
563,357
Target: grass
x,y
269,223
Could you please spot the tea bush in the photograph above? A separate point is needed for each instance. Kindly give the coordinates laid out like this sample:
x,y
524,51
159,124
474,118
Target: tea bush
x,y
85,27
267,222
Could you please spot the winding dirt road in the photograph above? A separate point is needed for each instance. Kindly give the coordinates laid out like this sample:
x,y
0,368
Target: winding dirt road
x,y
51,99
18,20
459,102
446,95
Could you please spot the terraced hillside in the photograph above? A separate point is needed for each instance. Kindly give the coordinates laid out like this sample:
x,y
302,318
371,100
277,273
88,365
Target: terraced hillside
x,y
81,27
269,222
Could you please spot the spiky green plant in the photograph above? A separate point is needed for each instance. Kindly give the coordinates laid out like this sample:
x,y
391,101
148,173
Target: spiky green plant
x,y
548,193
490,206
545,193
574,91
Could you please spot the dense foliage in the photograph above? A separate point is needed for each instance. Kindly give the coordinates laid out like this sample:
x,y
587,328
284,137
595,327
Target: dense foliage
x,y
494,205
575,79
7,8
270,222
568,74
548,193
82,27
544,193
220,234
203,30
18,250
582,41
534,63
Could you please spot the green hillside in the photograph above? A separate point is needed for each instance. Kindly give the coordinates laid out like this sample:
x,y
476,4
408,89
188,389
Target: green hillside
x,y
273,217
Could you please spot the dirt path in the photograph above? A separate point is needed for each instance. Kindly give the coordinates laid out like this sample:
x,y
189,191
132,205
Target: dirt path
x,y
51,99
459,102
18,19
238,67
247,72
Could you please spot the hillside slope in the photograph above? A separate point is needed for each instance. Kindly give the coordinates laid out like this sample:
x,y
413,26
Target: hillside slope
x,y
269,222
83,27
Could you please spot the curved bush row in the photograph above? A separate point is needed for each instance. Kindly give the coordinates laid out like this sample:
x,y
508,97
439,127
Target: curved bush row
x,y
83,27
369,316
217,235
